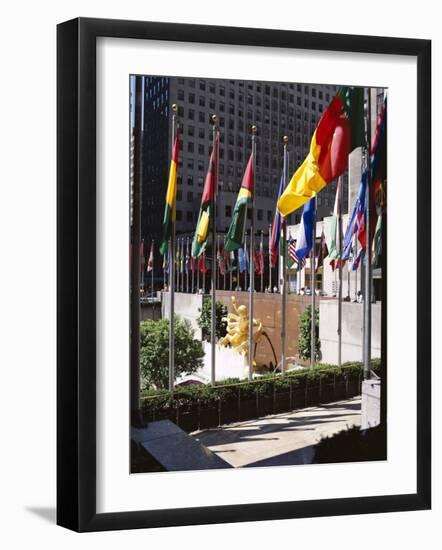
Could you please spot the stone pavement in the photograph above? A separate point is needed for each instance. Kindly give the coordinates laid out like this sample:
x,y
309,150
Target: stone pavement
x,y
280,439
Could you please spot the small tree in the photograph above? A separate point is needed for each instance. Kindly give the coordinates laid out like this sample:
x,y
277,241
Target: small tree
x,y
154,351
205,320
304,341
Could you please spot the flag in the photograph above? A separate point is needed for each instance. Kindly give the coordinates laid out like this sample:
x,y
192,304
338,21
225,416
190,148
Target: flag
x,y
353,100
292,257
333,248
377,243
322,252
242,260
170,206
150,259
192,263
186,267
356,224
166,262
202,227
202,263
276,229
220,259
305,234
261,258
235,234
327,159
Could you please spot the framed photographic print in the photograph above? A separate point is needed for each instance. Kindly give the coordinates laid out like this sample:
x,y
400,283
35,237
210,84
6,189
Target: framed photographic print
x,y
240,336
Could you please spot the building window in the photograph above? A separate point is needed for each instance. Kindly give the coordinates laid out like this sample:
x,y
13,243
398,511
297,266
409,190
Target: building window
x,y
200,165
228,211
191,98
212,103
190,196
189,216
190,130
189,180
181,94
179,195
202,101
191,114
201,149
260,215
200,181
201,116
179,215
201,133
202,85
222,91
190,164
190,146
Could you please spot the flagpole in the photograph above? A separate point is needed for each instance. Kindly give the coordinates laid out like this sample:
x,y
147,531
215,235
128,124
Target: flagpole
x,y
252,248
261,264
340,272
142,264
153,263
204,272
198,275
216,263
270,257
192,267
312,288
367,293
225,263
172,277
182,264
285,140
214,244
231,270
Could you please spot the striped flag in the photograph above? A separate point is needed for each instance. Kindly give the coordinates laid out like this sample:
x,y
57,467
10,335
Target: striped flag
x,y
236,233
292,257
150,259
170,206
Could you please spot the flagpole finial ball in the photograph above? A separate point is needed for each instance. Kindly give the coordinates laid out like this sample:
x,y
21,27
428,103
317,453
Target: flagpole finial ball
x,y
285,139
254,129
174,107
214,119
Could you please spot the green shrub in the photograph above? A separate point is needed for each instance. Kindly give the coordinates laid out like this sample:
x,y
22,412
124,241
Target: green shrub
x,y
305,334
154,351
264,386
205,319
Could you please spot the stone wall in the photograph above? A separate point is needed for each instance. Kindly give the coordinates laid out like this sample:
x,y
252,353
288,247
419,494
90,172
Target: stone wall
x,y
352,326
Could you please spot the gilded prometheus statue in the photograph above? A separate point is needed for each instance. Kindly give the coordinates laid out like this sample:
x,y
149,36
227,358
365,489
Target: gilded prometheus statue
x,y
238,331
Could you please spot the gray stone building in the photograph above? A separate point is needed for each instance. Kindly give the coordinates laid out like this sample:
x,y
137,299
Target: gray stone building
x,y
276,108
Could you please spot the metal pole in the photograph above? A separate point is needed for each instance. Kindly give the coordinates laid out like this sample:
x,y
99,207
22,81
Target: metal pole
x,y
214,243
216,263
153,265
231,270
312,287
225,263
367,290
198,275
204,272
172,277
270,258
252,247
192,266
340,272
261,255
284,273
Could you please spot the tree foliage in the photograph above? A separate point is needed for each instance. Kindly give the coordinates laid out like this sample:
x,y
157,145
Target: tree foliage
x,y
205,319
154,351
304,341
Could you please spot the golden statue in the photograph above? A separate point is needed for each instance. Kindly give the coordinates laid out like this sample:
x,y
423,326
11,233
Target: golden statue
x,y
238,331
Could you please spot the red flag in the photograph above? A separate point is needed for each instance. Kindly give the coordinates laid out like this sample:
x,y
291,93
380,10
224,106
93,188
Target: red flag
x,y
150,260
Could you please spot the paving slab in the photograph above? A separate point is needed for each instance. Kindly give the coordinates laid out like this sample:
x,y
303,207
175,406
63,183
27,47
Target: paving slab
x,y
175,449
281,439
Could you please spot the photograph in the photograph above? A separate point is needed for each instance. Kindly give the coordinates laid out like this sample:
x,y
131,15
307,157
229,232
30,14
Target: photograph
x,y
257,273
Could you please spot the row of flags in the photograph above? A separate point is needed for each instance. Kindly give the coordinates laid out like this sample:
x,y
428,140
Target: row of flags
x,y
339,131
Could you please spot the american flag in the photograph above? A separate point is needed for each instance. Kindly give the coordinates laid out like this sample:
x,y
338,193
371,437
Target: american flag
x,y
292,253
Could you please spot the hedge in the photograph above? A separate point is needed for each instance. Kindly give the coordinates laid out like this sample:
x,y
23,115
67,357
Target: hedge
x,y
266,386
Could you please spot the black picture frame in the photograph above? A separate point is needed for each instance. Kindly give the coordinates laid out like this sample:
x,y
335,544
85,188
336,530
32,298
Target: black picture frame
x,y
76,273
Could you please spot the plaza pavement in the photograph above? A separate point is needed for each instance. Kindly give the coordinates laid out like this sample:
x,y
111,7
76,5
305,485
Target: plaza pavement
x,y
280,439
